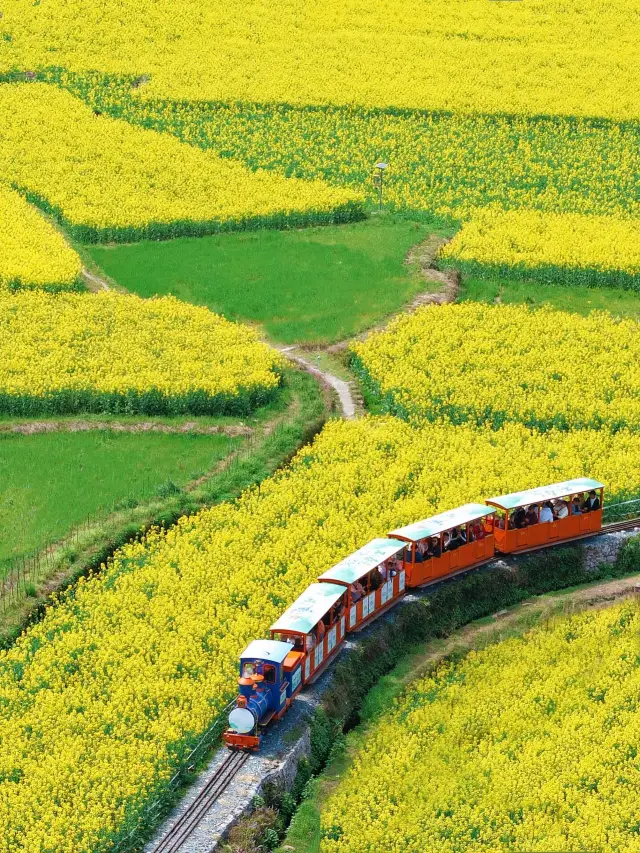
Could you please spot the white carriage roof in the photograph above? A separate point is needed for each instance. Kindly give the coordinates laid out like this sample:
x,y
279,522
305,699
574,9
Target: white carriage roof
x,y
305,613
435,525
356,565
271,650
546,493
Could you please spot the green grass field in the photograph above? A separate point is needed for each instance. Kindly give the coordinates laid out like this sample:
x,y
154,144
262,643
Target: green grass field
x,y
582,300
315,285
51,482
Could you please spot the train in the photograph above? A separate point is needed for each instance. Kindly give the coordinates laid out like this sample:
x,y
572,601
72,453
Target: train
x,y
309,634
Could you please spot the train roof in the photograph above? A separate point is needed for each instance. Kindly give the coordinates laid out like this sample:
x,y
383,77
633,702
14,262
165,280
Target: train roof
x,y
435,525
546,493
356,565
305,613
271,650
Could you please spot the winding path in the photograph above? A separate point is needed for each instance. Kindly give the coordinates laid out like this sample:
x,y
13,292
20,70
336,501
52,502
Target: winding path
x,y
94,283
340,386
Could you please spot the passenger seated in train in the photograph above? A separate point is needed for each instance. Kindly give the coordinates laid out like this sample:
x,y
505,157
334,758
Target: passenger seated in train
x,y
357,591
532,515
592,502
376,580
456,540
388,569
575,506
561,509
546,513
473,532
518,518
421,553
320,631
499,521
433,548
337,611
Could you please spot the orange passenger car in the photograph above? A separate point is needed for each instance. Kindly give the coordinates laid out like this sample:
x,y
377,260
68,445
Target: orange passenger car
x,y
315,626
545,516
448,543
374,577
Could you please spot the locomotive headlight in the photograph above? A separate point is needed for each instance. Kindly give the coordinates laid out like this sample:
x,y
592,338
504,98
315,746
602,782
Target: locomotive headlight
x,y
241,721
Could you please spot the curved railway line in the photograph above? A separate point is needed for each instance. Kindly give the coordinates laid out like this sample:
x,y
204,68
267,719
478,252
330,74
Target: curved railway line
x,y
185,826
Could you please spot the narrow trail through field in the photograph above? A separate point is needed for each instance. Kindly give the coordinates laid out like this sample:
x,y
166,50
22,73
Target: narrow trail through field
x,y
340,386
186,428
423,256
94,283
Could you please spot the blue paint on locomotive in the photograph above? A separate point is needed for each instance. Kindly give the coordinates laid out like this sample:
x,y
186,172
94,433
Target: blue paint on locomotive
x,y
266,658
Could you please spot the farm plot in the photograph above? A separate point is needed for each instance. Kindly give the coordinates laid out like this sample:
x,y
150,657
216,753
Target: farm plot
x,y
142,657
107,180
32,252
118,353
497,363
528,744
556,248
537,59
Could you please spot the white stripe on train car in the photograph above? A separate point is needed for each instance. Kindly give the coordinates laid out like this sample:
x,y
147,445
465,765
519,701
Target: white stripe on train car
x,y
401,584
297,677
331,640
307,666
352,615
342,626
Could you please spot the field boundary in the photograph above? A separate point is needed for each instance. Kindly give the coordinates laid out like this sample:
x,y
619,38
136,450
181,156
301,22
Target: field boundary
x,y
186,428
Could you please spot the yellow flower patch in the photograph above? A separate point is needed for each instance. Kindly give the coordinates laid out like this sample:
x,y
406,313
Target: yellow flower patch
x,y
526,240
533,58
32,252
529,744
144,655
108,180
497,363
114,352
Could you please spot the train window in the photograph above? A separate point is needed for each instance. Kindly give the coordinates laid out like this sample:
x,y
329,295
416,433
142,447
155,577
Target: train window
x,y
269,674
248,670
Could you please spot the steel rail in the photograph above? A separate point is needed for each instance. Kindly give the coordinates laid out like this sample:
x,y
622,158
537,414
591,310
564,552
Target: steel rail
x,y
614,526
188,822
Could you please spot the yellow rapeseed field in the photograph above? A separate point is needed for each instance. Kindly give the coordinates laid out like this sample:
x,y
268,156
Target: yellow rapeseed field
x,y
145,654
530,744
32,252
114,352
109,180
523,240
533,57
497,363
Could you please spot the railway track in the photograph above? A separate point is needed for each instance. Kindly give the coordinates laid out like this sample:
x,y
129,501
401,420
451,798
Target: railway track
x,y
189,821
619,525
